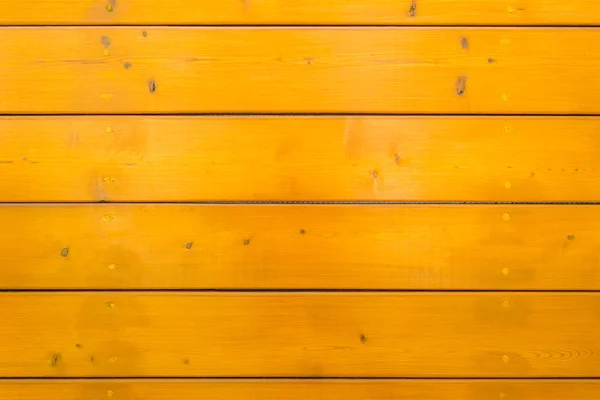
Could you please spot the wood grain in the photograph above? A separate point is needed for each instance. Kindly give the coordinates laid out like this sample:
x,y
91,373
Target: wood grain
x,y
90,159
300,247
231,389
300,334
299,70
403,12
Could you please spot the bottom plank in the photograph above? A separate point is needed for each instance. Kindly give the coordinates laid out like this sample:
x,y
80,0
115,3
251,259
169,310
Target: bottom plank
x,y
250,335
157,389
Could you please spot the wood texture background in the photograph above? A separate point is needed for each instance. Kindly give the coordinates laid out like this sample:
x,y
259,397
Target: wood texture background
x,y
229,389
299,70
307,12
300,334
432,101
300,247
110,158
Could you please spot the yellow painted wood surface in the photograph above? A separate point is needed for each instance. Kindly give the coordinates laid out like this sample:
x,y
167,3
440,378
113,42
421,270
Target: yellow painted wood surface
x,y
300,247
231,389
404,12
284,158
299,70
315,69
300,334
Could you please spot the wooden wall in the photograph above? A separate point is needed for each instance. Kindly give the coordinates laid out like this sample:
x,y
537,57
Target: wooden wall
x,y
260,199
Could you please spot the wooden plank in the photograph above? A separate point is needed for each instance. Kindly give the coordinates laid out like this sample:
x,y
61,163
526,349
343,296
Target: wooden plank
x,y
300,70
402,12
300,334
231,389
289,159
300,247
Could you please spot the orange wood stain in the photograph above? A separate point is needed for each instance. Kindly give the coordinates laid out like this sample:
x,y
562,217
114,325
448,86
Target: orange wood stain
x,y
432,101
265,389
308,12
300,334
299,70
91,159
300,247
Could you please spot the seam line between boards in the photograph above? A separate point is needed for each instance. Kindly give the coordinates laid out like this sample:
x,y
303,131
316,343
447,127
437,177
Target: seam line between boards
x,y
303,291
298,378
305,26
243,114
299,202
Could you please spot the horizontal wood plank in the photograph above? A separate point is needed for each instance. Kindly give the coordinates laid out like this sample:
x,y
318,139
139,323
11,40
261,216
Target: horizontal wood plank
x,y
300,334
231,389
300,247
91,159
299,70
405,12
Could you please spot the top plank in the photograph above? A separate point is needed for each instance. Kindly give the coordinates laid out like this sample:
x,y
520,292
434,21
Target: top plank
x,y
156,70
301,12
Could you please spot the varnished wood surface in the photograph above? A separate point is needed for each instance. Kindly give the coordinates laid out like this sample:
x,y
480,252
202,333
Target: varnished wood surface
x,y
323,12
300,334
109,158
299,70
231,389
142,68
300,247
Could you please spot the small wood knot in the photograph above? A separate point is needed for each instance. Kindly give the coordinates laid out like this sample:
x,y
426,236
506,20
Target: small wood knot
x,y
461,85
246,242
77,345
302,231
105,41
144,33
374,174
491,60
464,43
109,393
108,217
152,85
109,8
55,359
397,158
127,65
413,8
186,361
64,252
189,245
570,237
363,338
